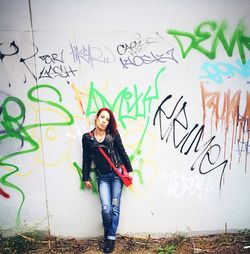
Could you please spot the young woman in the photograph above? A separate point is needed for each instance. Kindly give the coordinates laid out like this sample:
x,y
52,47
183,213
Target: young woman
x,y
106,136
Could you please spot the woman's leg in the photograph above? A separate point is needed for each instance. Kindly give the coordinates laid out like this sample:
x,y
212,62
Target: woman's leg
x,y
116,191
110,189
104,187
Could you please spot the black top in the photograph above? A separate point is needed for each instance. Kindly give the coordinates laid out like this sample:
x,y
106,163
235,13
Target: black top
x,y
112,146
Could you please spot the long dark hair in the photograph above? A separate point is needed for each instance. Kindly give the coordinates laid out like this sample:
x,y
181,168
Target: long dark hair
x,y
112,126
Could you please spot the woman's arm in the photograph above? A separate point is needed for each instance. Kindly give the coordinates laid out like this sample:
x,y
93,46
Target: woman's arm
x,y
122,152
86,158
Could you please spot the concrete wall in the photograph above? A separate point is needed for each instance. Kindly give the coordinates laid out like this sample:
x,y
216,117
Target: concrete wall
x,y
176,75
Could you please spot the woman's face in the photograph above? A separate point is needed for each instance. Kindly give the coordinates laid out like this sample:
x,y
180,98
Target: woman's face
x,y
102,120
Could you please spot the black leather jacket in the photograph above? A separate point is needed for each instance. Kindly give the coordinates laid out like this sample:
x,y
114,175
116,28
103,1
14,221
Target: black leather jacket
x,y
112,146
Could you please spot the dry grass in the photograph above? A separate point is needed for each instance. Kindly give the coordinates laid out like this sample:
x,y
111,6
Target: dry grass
x,y
177,244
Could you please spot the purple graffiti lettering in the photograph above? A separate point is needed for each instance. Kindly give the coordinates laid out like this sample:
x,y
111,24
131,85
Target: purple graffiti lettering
x,y
136,46
90,55
138,60
243,146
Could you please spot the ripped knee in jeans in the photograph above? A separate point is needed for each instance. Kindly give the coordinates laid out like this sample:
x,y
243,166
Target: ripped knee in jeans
x,y
114,202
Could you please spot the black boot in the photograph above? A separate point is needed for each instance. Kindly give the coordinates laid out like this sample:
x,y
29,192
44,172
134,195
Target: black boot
x,y
109,246
105,236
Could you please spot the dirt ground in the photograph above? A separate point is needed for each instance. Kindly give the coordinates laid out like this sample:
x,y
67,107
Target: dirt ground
x,y
177,244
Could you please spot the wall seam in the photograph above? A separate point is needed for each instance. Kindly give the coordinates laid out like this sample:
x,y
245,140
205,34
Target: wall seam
x,y
39,116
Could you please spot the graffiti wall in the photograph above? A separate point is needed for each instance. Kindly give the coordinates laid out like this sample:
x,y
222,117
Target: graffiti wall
x,y
177,77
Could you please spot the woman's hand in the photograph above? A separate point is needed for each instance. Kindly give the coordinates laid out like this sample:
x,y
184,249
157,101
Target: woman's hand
x,y
88,184
128,174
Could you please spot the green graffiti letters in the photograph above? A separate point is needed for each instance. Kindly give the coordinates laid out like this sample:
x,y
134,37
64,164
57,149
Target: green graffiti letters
x,y
9,120
14,128
51,103
131,105
93,179
211,30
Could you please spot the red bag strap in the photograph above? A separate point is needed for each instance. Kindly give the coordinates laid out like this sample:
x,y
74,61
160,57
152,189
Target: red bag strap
x,y
109,161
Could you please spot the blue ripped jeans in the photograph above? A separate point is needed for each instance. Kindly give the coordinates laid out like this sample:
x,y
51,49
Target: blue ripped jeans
x,y
110,190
